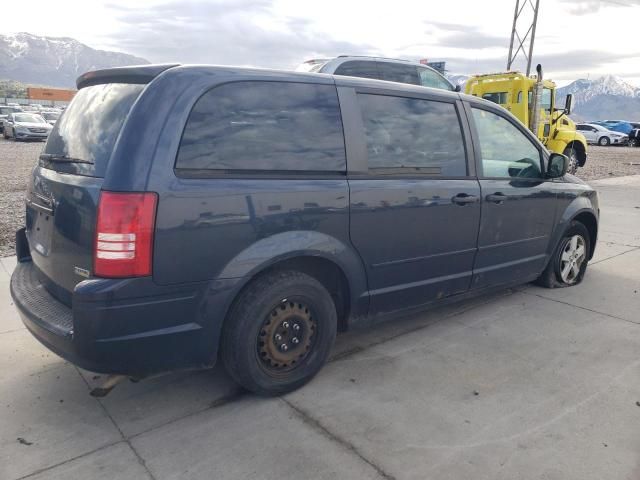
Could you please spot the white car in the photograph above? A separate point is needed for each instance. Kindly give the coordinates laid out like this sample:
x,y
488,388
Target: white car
x,y
50,117
600,135
26,126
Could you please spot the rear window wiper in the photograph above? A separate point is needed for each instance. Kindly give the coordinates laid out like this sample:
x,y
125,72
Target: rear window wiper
x,y
54,157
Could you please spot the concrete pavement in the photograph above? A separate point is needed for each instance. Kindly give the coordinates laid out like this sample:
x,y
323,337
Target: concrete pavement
x,y
528,383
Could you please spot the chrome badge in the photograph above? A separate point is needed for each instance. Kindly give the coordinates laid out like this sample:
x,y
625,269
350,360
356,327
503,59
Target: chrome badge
x,y
83,272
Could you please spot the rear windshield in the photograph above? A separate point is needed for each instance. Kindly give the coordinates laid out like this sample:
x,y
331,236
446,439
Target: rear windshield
x,y
83,138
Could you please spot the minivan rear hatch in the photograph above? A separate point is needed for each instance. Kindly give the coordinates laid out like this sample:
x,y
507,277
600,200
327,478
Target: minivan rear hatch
x,y
63,194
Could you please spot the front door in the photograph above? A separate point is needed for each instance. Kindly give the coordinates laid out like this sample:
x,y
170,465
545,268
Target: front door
x,y
518,207
415,212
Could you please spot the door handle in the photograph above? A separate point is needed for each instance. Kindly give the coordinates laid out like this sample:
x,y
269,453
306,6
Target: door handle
x,y
497,198
463,199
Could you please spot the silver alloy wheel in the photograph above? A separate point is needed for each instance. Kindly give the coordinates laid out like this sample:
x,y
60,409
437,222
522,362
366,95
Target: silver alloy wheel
x,y
573,162
573,256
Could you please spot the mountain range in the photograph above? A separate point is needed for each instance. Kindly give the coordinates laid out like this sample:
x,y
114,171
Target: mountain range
x,y
54,61
604,98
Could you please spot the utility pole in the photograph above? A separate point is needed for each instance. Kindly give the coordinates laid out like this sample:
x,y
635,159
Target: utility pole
x,y
530,35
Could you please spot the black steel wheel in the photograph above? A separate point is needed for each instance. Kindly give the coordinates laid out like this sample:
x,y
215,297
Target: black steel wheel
x,y
279,332
286,336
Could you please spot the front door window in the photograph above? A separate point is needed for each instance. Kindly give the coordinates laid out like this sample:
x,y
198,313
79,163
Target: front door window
x,y
506,151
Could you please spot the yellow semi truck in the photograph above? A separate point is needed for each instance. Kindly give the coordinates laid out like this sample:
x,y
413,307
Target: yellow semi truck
x,y
533,101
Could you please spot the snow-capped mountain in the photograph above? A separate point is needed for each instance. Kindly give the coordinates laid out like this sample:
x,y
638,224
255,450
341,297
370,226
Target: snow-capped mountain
x,y
54,61
584,90
607,97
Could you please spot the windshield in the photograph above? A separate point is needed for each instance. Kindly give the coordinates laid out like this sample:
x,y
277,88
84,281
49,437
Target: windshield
x,y
51,116
27,118
88,128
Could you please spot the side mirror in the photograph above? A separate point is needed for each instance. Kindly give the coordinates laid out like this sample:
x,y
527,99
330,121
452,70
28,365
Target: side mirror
x,y
458,88
557,165
567,104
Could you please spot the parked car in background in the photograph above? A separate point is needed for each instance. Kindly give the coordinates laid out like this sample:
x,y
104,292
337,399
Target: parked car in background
x,y
50,117
301,204
392,70
620,126
599,135
5,111
26,126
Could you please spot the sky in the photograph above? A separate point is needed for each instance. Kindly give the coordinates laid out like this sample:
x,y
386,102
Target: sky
x,y
574,39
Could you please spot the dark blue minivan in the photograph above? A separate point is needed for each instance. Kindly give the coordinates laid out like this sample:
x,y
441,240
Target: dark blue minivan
x,y
181,213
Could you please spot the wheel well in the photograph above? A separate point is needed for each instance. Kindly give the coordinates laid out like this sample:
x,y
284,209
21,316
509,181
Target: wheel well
x,y
589,221
328,274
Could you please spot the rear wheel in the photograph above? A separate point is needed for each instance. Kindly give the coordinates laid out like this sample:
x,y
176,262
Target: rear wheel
x,y
571,153
568,263
634,142
604,141
279,333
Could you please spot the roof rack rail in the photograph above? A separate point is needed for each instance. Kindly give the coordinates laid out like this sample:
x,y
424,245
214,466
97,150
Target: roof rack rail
x,y
377,58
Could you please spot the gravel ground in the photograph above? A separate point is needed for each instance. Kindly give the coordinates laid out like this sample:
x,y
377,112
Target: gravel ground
x,y
20,157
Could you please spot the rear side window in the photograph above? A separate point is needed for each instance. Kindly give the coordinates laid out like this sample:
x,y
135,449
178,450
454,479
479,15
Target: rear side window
x,y
429,78
264,126
411,135
496,97
397,72
358,68
87,130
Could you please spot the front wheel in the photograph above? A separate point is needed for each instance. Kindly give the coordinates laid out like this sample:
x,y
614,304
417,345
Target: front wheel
x,y
634,142
571,153
604,141
568,264
279,332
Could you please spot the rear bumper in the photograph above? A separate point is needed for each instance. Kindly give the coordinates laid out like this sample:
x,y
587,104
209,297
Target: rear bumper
x,y
130,327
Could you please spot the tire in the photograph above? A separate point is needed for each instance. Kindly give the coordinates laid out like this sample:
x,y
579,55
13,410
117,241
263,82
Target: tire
x,y
634,142
604,141
573,159
554,275
273,311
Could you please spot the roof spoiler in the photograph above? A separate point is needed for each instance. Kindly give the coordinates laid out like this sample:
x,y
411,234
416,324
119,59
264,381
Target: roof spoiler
x,y
133,74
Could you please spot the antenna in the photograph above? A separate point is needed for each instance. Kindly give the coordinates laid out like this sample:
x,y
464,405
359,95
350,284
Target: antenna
x,y
530,34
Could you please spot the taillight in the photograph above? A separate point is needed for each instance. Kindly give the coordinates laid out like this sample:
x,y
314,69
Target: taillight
x,y
124,234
